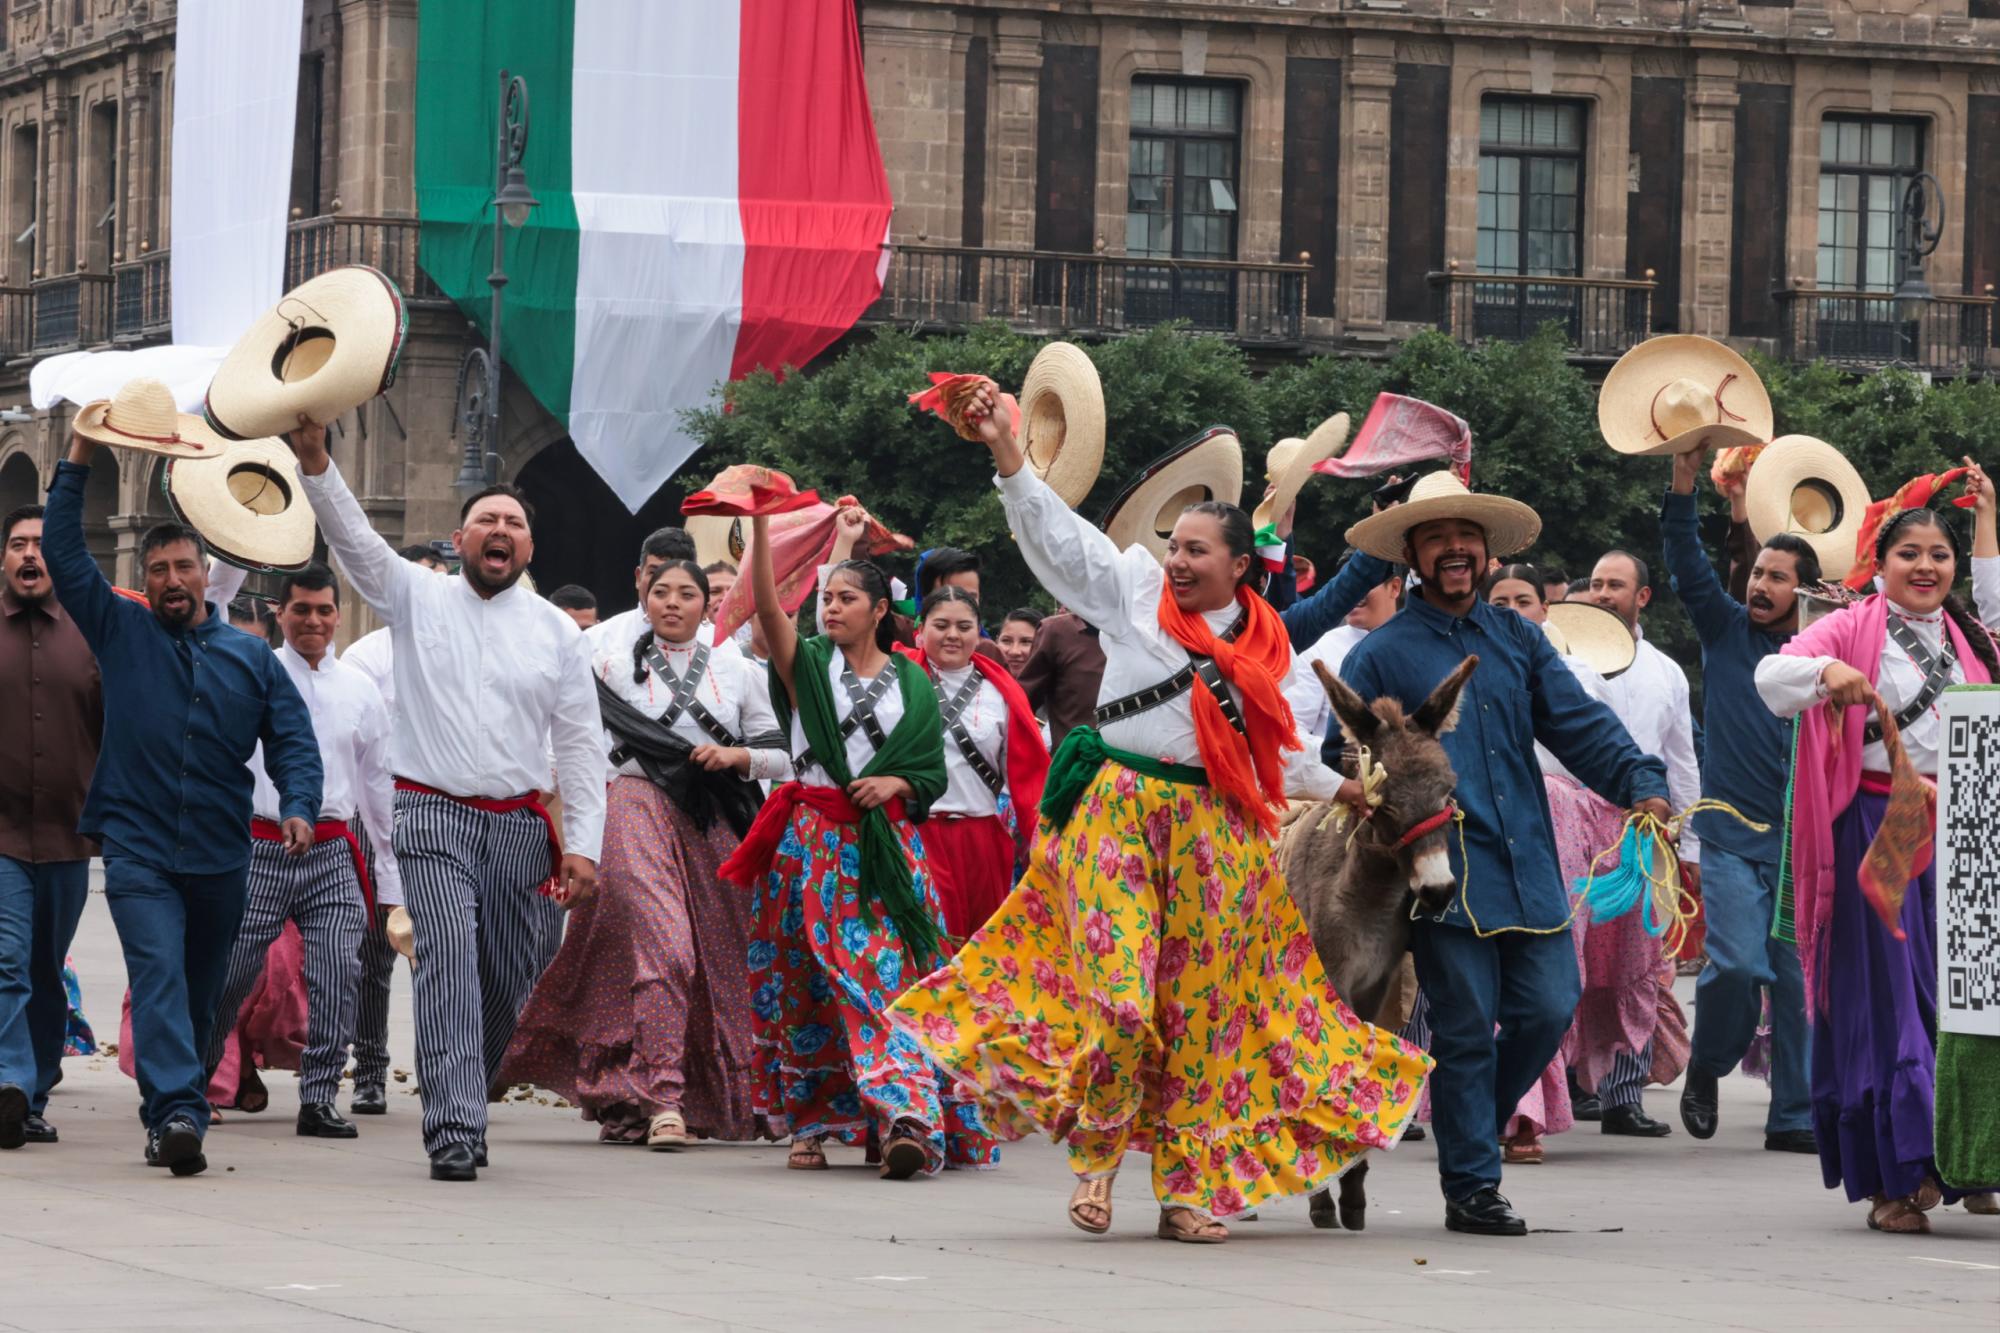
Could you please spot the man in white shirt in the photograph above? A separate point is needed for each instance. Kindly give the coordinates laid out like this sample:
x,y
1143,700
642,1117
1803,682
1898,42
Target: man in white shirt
x,y
490,679
1651,699
328,890
1310,706
621,631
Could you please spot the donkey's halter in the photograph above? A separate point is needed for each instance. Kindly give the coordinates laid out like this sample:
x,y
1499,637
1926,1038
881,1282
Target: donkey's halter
x,y
1423,828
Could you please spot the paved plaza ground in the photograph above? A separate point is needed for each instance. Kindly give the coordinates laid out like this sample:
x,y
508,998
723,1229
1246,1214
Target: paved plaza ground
x,y
560,1233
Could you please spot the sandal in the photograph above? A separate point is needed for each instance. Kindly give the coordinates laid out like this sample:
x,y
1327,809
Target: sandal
x,y
251,1094
1985,1204
667,1132
1928,1196
1191,1228
1094,1193
903,1154
1900,1216
1521,1152
806,1155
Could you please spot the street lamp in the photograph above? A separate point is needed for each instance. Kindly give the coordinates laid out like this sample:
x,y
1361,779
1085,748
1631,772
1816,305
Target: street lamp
x,y
478,407
1917,234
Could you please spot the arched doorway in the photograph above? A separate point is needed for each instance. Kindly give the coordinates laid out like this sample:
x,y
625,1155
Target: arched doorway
x,y
19,483
583,533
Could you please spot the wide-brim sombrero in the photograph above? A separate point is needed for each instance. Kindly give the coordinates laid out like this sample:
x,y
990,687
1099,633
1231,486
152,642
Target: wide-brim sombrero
x,y
327,347
1677,392
1289,465
247,505
1557,640
717,537
1062,420
142,416
1595,637
1806,487
1511,527
1207,467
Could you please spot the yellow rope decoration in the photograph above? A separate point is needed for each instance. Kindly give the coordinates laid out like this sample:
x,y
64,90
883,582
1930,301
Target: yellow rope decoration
x,y
1373,778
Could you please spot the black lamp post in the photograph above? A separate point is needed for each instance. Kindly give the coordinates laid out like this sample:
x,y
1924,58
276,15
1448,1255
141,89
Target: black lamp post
x,y
1918,230
478,409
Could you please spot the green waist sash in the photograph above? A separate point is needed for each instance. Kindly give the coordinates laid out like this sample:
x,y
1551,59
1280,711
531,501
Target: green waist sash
x,y
1079,758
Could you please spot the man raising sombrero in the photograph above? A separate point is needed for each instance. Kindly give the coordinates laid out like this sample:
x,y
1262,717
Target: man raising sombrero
x,y
1500,956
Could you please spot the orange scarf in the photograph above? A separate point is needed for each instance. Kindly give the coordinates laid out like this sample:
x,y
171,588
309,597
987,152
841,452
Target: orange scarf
x,y
1249,769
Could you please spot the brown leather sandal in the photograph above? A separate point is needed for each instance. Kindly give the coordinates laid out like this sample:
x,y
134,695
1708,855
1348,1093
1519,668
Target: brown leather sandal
x,y
1094,1193
1521,1152
1191,1228
806,1155
1900,1216
903,1153
1987,1205
1928,1196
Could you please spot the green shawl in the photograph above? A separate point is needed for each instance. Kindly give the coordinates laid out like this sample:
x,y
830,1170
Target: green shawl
x,y
914,751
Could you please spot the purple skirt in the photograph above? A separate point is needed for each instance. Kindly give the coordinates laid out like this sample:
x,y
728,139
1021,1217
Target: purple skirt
x,y
1874,1039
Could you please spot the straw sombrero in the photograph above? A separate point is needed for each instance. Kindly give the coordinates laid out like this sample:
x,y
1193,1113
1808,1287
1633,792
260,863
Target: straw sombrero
x,y
1805,487
246,504
1675,393
328,346
1511,526
142,416
1289,465
716,537
1595,636
1207,467
1557,639
1062,408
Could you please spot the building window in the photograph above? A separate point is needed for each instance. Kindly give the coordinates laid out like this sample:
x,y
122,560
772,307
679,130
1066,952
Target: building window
x,y
1864,167
1181,201
1530,184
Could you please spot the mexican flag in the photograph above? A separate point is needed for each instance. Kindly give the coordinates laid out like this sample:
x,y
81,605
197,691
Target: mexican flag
x,y
712,201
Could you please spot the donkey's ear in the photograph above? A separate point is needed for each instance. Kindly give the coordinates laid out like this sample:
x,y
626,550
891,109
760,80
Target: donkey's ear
x,y
1356,718
1439,713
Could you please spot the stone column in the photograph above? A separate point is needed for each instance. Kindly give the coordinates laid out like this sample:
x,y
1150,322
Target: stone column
x,y
1015,115
56,236
377,108
135,99
915,69
1708,218
1370,75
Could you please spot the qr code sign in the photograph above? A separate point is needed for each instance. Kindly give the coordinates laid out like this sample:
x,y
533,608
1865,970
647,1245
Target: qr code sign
x,y
1968,862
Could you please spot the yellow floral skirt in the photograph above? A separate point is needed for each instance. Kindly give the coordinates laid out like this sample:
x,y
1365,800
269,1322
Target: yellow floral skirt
x,y
1150,986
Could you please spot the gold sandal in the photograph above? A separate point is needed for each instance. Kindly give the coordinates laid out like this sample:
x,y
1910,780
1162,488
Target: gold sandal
x,y
1901,1217
667,1132
1191,1228
806,1155
1092,1193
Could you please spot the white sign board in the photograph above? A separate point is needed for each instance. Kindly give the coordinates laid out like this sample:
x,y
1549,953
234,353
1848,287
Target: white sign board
x,y
1968,862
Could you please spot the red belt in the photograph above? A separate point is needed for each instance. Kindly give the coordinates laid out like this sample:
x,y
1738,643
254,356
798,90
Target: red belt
x,y
267,831
505,805
753,857
1875,784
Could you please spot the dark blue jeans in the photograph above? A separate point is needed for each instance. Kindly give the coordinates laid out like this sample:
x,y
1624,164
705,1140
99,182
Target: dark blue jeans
x,y
177,931
1526,986
40,904
1745,963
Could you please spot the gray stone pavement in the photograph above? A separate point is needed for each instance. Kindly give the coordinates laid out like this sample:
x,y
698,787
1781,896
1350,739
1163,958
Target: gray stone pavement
x,y
561,1233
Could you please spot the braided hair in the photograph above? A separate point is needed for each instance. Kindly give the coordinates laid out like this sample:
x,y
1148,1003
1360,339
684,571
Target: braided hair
x,y
1976,635
874,585
645,639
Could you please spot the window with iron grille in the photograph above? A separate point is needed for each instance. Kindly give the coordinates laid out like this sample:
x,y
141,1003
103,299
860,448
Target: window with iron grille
x,y
1180,196
1530,186
1864,166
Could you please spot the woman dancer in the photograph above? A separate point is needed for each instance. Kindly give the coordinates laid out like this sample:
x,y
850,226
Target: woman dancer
x,y
1017,637
643,1019
1871,997
993,749
1150,986
846,914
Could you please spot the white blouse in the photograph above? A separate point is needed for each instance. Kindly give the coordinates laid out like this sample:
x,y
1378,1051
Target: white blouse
x,y
1119,593
985,720
731,689
860,750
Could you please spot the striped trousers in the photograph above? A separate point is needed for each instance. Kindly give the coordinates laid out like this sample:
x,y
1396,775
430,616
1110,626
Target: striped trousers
x,y
1627,1079
371,1010
470,881
321,892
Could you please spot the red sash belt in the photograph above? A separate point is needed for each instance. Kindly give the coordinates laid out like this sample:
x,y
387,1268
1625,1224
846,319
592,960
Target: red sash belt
x,y
752,858
1875,784
505,805
267,831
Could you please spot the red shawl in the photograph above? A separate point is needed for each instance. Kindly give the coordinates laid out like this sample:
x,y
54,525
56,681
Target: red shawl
x,y
1027,756
1249,768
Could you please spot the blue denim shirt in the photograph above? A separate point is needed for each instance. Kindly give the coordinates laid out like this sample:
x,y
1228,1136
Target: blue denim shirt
x,y
1327,606
182,713
1748,746
1520,693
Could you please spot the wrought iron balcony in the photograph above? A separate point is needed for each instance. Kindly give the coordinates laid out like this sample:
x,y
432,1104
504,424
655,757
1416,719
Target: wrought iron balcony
x,y
142,307
1946,335
939,287
389,244
1599,317
70,312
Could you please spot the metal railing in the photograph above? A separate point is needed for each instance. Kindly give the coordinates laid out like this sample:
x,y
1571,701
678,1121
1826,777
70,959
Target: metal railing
x,y
390,244
1946,335
1037,291
17,319
1598,316
71,311
142,306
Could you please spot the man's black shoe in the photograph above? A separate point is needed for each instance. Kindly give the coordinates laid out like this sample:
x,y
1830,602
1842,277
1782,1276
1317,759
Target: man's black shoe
x,y
368,1101
1414,1134
177,1146
454,1161
1633,1122
40,1130
479,1153
1486,1213
318,1120
1791,1140
13,1116
1700,1108
1586,1106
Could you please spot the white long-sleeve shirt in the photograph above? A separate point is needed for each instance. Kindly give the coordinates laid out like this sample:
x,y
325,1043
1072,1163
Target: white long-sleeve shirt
x,y
485,686
731,689
985,720
621,631
374,656
1310,706
1651,699
860,750
352,724
1119,593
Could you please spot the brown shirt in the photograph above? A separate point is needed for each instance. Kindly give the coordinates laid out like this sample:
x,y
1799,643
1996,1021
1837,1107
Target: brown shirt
x,y
1063,674
55,720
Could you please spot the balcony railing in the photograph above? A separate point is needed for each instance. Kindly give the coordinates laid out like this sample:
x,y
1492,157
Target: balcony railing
x,y
390,244
950,287
1599,317
142,306
1946,335
71,311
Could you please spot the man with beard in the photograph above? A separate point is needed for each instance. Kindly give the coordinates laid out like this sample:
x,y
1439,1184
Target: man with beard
x,y
1628,980
328,892
187,699
49,695
1746,963
490,679
1497,967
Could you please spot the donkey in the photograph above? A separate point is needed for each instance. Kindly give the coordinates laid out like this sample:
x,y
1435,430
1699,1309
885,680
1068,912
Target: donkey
x,y
1356,897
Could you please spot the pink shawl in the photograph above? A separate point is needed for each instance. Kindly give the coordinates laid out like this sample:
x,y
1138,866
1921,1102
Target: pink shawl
x,y
1828,771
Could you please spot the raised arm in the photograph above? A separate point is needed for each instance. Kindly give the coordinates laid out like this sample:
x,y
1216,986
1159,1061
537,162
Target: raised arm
x,y
225,581
381,576
1985,545
80,585
1711,608
375,798
1307,622
781,636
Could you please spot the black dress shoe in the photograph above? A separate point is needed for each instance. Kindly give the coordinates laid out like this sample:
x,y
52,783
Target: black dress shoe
x,y
1791,1140
13,1116
368,1101
1633,1122
454,1161
1700,1107
40,1130
177,1146
1414,1134
1586,1106
318,1120
1486,1213
479,1153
